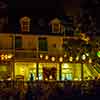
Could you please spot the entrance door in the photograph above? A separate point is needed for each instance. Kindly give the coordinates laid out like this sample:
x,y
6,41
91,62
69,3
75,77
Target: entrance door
x,y
67,76
49,73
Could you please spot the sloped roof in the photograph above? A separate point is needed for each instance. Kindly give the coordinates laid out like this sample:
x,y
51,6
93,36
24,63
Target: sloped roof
x,y
61,19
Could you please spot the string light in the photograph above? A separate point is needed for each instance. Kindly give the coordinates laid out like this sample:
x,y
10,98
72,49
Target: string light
x,y
70,59
77,58
41,56
10,56
90,60
46,57
2,57
6,57
53,58
61,59
83,57
87,54
65,55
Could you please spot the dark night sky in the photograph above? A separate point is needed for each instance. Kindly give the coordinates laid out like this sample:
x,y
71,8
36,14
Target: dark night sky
x,y
44,7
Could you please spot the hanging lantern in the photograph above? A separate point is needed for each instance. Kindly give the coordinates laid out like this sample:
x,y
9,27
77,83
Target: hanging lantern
x,y
65,55
41,55
83,57
10,56
2,57
90,60
77,58
53,58
46,57
6,57
61,59
70,59
87,54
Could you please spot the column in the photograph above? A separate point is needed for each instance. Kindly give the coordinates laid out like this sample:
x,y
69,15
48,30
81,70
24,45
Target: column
x,y
60,71
82,73
37,70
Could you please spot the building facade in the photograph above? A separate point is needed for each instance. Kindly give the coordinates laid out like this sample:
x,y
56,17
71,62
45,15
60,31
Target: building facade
x,y
45,57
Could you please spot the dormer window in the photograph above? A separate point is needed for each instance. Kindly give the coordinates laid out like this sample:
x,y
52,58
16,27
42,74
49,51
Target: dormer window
x,y
56,28
25,24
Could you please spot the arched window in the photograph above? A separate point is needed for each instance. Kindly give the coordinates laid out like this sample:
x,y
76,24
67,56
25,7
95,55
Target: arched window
x,y
25,24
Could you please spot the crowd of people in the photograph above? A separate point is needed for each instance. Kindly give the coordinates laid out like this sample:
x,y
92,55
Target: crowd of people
x,y
49,90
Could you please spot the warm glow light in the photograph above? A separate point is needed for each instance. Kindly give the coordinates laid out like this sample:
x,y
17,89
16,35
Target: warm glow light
x,y
50,77
87,54
65,55
65,66
75,79
70,59
41,56
61,59
46,57
83,57
77,58
2,57
36,78
90,60
10,56
53,58
46,79
6,57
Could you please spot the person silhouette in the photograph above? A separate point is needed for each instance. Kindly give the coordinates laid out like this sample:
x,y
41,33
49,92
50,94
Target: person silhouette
x,y
31,77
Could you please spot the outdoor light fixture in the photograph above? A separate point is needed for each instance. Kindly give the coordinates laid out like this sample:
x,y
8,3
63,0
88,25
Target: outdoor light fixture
x,y
83,57
36,78
53,58
87,54
41,56
10,56
77,58
6,57
46,57
61,59
70,59
65,55
90,60
2,57
50,77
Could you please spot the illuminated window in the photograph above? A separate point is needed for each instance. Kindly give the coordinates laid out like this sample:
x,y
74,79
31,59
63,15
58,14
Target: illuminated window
x,y
25,24
56,28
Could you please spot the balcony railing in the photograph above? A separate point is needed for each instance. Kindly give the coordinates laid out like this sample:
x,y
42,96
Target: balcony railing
x,y
25,54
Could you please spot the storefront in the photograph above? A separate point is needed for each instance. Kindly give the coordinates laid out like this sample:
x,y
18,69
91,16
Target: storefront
x,y
5,71
25,71
71,71
48,71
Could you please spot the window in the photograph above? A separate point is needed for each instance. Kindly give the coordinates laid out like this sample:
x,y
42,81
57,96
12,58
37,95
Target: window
x,y
65,44
25,24
18,42
56,28
43,44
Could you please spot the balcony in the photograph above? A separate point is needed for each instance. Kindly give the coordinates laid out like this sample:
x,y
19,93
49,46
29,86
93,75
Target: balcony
x,y
25,54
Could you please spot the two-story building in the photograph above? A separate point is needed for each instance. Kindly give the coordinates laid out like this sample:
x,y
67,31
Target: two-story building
x,y
44,57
